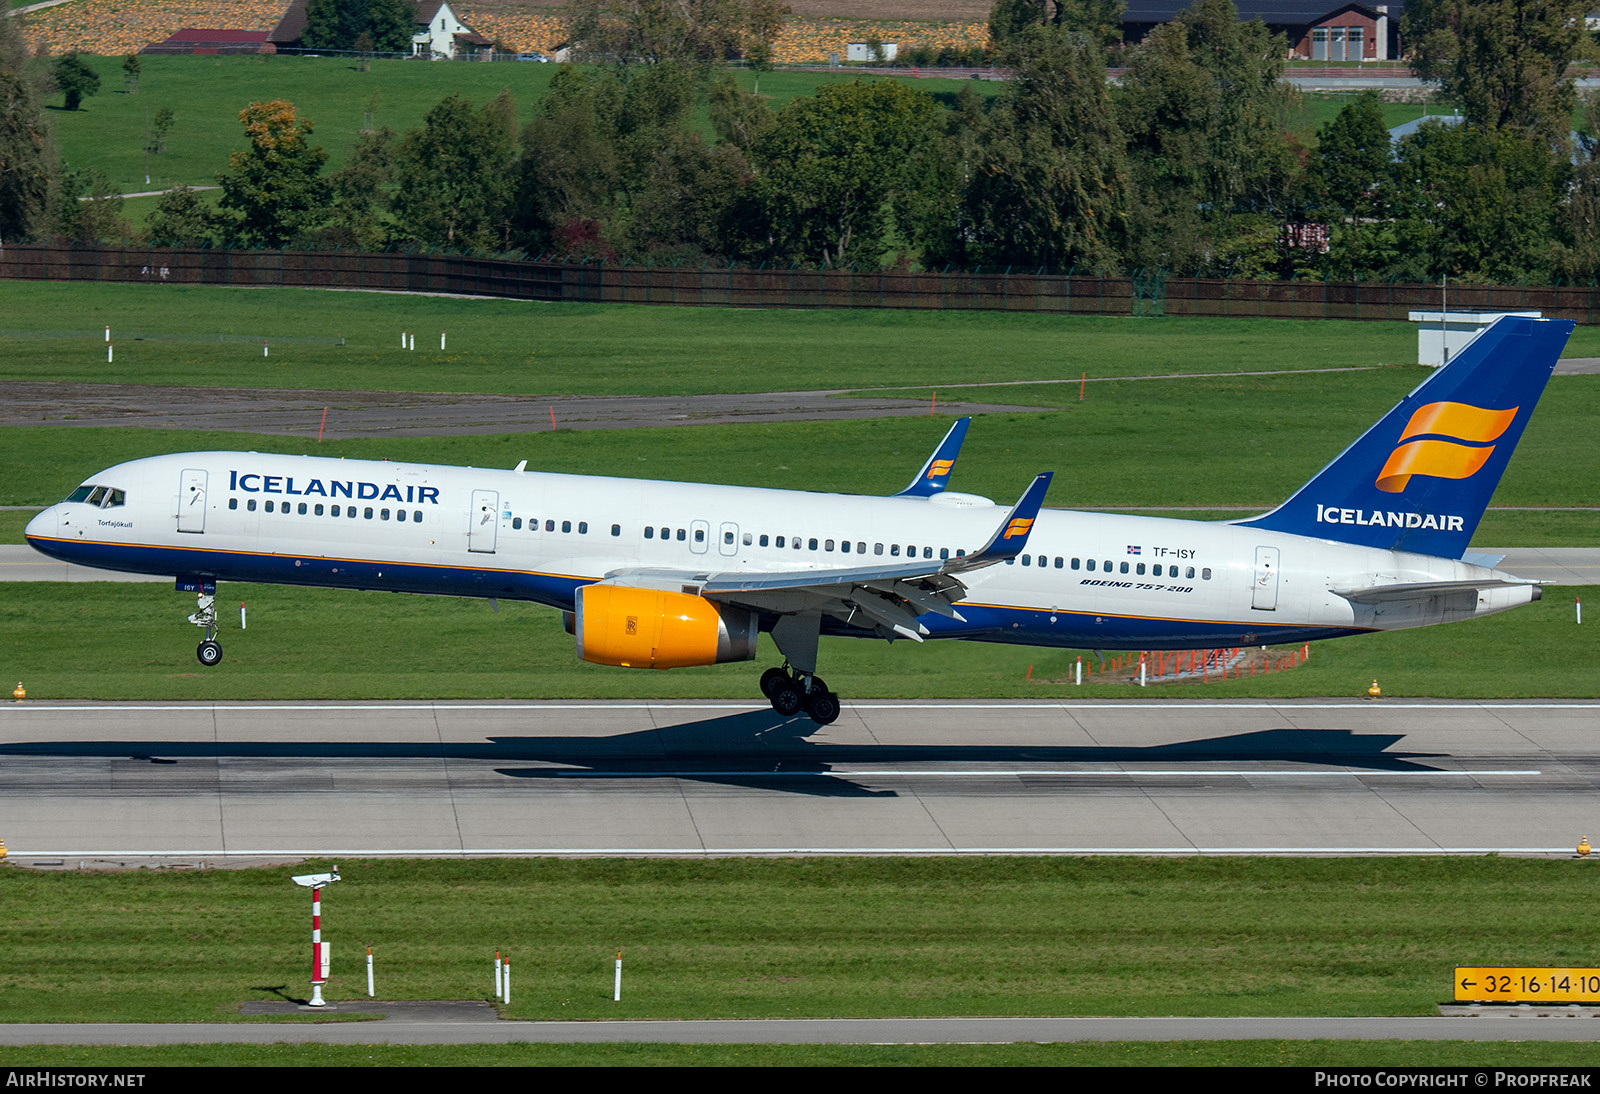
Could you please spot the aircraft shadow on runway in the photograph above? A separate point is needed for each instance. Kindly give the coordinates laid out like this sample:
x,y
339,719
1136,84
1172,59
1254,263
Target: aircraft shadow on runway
x,y
760,750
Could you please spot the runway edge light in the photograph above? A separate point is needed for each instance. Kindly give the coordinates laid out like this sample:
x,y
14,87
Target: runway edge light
x,y
1583,847
1374,692
18,693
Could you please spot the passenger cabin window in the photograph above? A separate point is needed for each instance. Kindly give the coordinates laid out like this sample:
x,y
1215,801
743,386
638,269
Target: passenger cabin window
x,y
233,503
616,529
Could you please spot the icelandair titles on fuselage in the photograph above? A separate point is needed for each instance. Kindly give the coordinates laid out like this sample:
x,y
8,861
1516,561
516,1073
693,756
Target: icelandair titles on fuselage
x,y
252,483
1378,518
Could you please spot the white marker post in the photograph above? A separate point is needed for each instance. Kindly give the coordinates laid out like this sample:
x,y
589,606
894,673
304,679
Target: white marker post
x,y
441,339
507,996
241,615
369,972
320,960
616,987
1141,668
413,344
1578,603
497,974
108,334
110,350
1077,679
402,339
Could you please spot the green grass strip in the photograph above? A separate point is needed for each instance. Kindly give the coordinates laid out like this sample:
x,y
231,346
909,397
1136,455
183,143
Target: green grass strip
x,y
753,938
336,644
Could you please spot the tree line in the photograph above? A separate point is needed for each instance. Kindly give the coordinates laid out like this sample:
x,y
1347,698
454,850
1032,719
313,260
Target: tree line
x,y
1185,163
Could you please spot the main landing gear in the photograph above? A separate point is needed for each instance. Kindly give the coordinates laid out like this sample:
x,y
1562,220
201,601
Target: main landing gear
x,y
791,693
209,651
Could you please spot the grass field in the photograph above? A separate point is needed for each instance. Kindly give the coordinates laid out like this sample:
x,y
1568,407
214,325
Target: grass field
x,y
516,347
755,938
301,644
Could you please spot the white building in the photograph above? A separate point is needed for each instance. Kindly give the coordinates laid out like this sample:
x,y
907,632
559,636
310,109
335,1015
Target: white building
x,y
443,36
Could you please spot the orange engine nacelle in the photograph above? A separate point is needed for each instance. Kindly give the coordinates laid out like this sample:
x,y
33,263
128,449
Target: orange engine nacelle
x,y
656,629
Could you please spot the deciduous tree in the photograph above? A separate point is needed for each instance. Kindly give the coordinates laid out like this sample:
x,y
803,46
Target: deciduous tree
x,y
1346,179
181,219
28,163
1050,186
1504,61
75,79
1206,118
455,176
273,191
837,168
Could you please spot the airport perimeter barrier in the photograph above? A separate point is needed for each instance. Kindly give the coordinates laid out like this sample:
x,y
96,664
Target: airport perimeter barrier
x,y
1010,289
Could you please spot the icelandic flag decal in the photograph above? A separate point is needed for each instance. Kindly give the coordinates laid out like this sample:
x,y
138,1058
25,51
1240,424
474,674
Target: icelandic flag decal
x,y
1132,550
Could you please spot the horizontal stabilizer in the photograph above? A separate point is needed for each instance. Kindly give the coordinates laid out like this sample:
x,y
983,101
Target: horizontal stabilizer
x,y
1417,590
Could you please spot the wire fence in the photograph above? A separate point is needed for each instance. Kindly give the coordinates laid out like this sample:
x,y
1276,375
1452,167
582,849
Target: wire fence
x,y
1141,293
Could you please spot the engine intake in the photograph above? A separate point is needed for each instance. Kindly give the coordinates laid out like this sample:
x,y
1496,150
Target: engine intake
x,y
656,629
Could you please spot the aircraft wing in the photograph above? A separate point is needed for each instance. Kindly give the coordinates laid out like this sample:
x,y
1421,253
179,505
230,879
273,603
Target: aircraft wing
x,y
1416,590
886,598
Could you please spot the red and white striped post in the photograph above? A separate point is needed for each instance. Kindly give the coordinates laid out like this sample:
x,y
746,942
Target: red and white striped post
x,y
319,949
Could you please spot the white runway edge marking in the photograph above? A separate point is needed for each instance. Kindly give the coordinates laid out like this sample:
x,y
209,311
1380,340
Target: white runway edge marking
x,y
989,773
18,855
68,706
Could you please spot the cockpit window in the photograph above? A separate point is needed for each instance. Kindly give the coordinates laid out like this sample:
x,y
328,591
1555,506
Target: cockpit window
x,y
102,497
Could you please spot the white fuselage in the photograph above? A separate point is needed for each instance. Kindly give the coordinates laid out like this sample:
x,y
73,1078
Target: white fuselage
x,y
1085,580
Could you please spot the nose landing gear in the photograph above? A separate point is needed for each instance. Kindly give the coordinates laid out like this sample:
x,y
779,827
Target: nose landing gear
x,y
209,651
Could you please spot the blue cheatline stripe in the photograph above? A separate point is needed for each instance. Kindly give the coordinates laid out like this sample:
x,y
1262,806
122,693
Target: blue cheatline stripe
x,y
1057,628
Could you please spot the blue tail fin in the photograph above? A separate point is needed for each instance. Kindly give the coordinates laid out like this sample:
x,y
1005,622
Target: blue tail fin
x,y
935,474
1421,478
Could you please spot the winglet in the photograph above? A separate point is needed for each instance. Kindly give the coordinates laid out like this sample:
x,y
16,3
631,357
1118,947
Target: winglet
x,y
935,474
1011,537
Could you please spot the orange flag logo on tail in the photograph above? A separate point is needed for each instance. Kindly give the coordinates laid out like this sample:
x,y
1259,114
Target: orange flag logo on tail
x,y
1018,527
940,467
1444,459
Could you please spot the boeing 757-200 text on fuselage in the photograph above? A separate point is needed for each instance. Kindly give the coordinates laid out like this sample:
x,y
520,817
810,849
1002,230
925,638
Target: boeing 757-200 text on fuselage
x,y
667,574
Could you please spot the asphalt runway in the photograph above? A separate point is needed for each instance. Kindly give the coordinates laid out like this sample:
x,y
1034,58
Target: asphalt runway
x,y
435,1024
92,784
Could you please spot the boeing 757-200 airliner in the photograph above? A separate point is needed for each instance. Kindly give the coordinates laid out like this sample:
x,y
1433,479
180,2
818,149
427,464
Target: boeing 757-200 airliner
x,y
666,574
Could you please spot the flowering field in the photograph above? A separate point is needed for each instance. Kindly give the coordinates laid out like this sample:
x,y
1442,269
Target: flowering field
x,y
113,27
